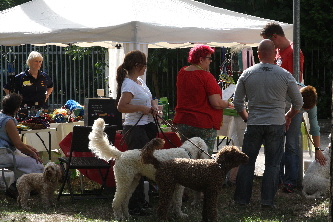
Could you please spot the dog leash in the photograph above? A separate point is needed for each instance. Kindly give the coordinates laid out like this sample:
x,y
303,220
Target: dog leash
x,y
159,127
177,131
173,127
122,140
307,133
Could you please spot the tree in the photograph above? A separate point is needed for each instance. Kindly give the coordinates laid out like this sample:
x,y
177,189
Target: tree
x,y
5,4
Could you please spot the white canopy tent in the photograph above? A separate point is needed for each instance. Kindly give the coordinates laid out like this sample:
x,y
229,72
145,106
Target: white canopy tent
x,y
136,24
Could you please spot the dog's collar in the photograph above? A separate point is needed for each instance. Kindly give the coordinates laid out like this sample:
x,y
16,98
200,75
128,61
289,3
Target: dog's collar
x,y
188,152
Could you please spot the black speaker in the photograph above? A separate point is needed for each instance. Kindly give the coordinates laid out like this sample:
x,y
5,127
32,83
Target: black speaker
x,y
105,108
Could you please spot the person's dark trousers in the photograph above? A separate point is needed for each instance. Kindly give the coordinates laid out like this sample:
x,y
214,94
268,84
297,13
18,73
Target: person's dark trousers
x,y
137,137
273,135
290,160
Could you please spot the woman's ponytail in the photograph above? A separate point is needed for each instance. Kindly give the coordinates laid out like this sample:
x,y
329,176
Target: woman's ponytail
x,y
121,74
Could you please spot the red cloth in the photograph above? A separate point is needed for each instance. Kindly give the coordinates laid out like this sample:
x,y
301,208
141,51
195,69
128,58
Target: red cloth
x,y
193,107
93,174
285,59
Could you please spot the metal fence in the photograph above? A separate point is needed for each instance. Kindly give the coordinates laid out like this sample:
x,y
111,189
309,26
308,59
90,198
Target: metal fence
x,y
78,76
318,72
74,77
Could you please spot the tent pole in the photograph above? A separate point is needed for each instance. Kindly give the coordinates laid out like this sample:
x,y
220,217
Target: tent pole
x,y
116,57
296,62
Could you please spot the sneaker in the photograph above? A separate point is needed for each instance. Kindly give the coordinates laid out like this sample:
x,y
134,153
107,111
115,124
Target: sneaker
x,y
288,188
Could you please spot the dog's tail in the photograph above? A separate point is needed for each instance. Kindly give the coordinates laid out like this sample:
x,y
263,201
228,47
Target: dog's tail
x,y
99,143
147,152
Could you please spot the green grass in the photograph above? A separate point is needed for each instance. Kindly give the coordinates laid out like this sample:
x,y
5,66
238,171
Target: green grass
x,y
290,207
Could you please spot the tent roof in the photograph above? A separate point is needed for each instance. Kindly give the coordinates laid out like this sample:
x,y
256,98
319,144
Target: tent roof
x,y
160,23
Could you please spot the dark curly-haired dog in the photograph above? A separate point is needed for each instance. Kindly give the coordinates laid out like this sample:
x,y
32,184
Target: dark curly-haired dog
x,y
205,175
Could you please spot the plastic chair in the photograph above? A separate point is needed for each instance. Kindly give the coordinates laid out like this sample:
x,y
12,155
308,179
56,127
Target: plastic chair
x,y
81,157
9,166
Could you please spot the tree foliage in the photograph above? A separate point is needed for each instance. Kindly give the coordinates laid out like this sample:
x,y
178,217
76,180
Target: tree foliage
x,y
5,4
316,22
272,9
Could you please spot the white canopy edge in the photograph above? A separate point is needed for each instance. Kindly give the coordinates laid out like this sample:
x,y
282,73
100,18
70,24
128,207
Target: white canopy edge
x,y
158,23
110,44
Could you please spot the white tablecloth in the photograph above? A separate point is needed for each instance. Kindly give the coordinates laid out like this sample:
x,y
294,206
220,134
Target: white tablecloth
x,y
233,127
62,130
39,139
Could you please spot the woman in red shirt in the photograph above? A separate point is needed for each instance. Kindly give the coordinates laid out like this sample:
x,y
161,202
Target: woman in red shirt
x,y
199,104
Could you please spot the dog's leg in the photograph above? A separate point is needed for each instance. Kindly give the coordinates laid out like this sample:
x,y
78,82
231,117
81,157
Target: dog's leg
x,y
133,184
119,198
177,201
24,196
50,198
45,196
123,180
125,187
196,198
19,201
209,211
166,191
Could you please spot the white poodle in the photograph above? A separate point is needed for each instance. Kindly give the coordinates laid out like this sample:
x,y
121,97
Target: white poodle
x,y
129,168
316,181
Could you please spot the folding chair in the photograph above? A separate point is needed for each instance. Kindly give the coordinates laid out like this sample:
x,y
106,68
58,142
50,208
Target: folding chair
x,y
9,166
81,157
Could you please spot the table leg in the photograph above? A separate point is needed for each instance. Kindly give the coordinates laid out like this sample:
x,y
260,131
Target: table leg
x,y
49,145
218,142
47,149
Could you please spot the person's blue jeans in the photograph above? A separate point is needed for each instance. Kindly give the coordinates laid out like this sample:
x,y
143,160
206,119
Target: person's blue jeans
x,y
290,160
254,135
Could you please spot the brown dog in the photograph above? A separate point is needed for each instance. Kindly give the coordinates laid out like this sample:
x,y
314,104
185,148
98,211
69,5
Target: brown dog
x,y
43,183
205,175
